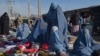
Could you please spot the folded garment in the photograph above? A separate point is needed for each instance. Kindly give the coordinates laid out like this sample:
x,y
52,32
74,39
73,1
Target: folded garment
x,y
1,44
21,47
8,47
20,54
27,44
32,50
45,46
9,43
2,50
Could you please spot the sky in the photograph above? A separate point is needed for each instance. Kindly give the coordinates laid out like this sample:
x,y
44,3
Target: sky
x,y
21,6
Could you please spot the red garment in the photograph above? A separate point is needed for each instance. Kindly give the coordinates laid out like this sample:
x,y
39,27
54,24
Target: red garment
x,y
32,50
21,47
9,52
45,46
27,44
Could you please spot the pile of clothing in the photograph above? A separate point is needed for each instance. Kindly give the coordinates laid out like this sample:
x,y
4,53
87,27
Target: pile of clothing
x,y
10,45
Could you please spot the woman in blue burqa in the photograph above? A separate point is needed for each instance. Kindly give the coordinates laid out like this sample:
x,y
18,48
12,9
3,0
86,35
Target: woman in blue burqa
x,y
22,30
38,32
84,45
56,34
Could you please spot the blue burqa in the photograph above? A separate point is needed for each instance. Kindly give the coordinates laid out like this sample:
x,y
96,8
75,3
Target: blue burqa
x,y
22,31
58,40
38,31
83,44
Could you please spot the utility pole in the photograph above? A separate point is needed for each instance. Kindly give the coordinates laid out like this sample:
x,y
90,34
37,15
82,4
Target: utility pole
x,y
28,11
10,10
39,9
0,8
8,4
28,8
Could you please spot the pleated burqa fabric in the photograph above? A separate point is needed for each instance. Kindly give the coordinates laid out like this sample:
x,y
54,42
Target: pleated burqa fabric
x,y
83,44
38,31
55,17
